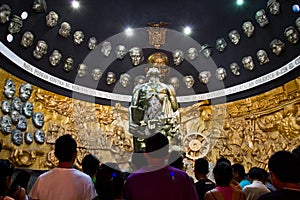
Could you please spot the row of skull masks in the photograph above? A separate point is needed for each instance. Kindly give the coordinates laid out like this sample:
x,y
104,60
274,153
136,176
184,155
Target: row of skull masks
x,y
17,111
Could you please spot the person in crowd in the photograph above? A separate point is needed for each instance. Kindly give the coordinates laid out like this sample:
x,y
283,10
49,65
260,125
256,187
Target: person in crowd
x,y
158,180
176,159
285,176
6,171
18,189
64,182
267,181
138,161
223,174
203,184
239,176
296,152
257,187
110,182
90,165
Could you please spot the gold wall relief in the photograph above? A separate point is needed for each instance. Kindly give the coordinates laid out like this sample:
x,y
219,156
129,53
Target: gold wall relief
x,y
247,131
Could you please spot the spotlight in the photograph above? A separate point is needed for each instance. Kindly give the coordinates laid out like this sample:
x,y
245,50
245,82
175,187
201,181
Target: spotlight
x,y
24,15
296,8
9,38
75,4
239,2
187,30
129,31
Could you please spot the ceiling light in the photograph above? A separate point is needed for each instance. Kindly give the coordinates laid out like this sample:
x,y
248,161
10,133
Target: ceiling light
x,y
75,4
239,2
187,30
296,8
24,15
9,38
129,31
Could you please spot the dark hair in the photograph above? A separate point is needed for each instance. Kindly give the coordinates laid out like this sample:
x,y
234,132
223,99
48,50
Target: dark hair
x,y
65,147
90,165
223,173
22,179
157,146
285,166
6,170
201,166
257,173
296,152
176,159
238,168
223,159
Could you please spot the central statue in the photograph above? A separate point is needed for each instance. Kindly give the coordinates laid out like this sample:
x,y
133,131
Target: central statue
x,y
154,107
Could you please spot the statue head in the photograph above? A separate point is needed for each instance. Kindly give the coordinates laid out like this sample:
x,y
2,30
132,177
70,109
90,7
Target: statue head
x,y
160,61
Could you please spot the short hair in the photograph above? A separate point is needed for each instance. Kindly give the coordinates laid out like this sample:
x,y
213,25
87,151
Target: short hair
x,y
223,159
157,146
257,173
285,166
6,170
138,159
201,166
90,165
223,173
65,147
296,152
238,168
176,159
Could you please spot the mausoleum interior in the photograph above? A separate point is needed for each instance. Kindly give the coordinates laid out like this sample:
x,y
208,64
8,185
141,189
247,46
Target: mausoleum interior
x,y
227,79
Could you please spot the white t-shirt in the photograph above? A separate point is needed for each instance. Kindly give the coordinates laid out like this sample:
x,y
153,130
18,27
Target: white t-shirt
x,y
63,184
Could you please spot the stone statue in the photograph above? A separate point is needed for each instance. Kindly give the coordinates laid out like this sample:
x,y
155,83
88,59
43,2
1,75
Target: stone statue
x,y
55,57
27,39
136,55
5,11
40,50
153,108
92,43
9,88
78,37
25,91
52,19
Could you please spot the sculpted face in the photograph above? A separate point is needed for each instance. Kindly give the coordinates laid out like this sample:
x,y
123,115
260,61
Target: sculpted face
x,y
9,88
5,124
110,78
248,28
16,104
5,106
17,137
192,53
274,7
5,11
120,51
92,43
69,64
96,74
262,57
78,37
40,49
204,76
136,55
248,63
177,57
52,19
15,24
65,29
221,73
235,69
277,46
106,48
22,124
28,138
261,18
174,81
139,80
125,80
39,136
15,116
82,70
38,119
291,35
221,44
25,91
27,39
189,81
27,109
234,36
55,58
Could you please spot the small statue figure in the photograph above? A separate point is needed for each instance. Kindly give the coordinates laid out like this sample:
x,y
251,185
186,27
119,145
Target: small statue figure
x,y
106,48
82,70
52,19
16,104
55,57
39,136
40,49
22,123
120,52
39,6
262,57
27,39
125,80
248,63
261,18
17,137
189,81
110,78
221,44
248,28
5,11
5,107
221,73
5,124
291,34
273,6
15,24
96,74
78,37
65,29
277,46
92,43
38,119
25,91
235,69
136,55
69,64
204,77
27,109
234,36
15,116
9,88
192,53
177,57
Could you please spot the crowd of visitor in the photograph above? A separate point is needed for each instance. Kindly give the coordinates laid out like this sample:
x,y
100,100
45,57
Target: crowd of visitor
x,y
152,177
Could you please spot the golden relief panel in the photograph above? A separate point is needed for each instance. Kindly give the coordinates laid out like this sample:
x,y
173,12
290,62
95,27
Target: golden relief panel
x,y
247,131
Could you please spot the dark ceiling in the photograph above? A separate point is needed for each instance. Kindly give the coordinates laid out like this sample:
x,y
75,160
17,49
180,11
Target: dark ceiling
x,y
106,19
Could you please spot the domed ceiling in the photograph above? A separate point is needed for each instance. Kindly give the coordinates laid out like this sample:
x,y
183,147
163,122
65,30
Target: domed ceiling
x,y
106,21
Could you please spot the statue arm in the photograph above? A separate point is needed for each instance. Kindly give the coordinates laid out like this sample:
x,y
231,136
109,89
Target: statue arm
x,y
173,100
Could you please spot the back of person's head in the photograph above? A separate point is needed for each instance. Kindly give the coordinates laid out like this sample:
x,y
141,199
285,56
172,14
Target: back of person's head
x,y
138,160
223,173
157,146
256,173
6,171
65,148
223,159
90,165
21,179
239,170
201,166
285,166
176,159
